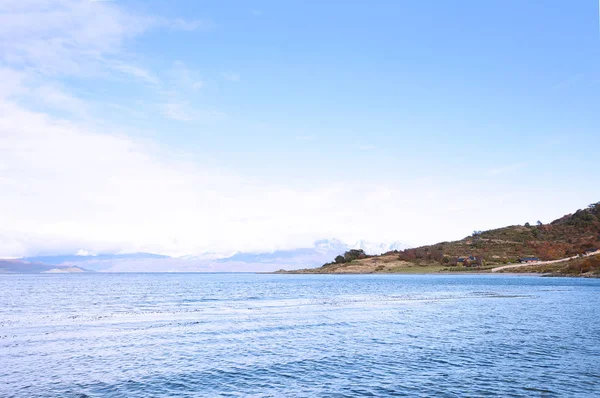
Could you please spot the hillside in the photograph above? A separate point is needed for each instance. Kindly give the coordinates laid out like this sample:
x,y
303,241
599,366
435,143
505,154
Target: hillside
x,y
567,236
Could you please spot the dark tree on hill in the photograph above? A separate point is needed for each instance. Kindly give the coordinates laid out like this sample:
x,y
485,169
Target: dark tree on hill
x,y
407,255
527,225
421,252
539,223
582,218
340,259
354,254
411,254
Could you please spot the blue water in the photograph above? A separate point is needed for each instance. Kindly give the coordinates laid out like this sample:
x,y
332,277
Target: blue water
x,y
238,335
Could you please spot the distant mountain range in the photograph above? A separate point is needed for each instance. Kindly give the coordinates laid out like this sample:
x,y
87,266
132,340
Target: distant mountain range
x,y
74,258
379,248
26,267
321,251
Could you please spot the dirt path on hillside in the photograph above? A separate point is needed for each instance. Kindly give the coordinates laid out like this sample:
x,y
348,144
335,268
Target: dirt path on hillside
x,y
542,262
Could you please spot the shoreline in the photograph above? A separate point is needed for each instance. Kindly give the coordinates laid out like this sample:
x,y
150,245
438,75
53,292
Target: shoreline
x,y
461,273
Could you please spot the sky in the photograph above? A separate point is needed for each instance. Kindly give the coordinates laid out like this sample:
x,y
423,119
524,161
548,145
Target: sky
x,y
189,127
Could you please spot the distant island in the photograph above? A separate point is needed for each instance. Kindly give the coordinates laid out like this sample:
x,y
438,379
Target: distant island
x,y
568,246
27,267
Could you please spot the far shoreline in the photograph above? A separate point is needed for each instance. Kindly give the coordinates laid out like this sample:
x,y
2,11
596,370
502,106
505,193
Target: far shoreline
x,y
458,273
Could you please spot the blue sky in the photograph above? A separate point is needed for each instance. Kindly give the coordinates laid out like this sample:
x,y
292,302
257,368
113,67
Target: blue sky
x,y
184,127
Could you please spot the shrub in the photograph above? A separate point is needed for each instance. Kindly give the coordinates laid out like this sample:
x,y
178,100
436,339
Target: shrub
x,y
354,254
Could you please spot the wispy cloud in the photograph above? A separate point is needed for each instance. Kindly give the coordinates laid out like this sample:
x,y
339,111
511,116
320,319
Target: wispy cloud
x,y
33,90
74,37
86,39
182,24
183,111
184,78
136,72
177,111
505,169
65,37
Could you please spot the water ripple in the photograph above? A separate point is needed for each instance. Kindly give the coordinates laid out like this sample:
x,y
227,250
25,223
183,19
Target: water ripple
x,y
170,335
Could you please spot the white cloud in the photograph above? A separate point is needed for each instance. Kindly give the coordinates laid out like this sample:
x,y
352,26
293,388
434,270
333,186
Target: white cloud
x,y
103,191
57,98
11,83
83,252
67,185
70,187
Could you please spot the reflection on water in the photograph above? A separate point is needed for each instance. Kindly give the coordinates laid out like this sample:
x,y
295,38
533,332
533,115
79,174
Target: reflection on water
x,y
149,335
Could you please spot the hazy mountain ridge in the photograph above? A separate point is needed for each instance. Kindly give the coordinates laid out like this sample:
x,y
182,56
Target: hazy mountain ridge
x,y
27,267
75,258
308,257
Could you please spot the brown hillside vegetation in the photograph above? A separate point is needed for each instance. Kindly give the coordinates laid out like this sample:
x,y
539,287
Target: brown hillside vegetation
x,y
565,237
570,235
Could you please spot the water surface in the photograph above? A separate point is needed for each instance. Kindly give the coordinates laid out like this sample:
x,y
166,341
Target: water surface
x,y
238,335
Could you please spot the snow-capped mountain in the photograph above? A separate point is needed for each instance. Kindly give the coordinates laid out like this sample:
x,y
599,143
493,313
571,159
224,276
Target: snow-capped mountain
x,y
379,248
322,251
330,244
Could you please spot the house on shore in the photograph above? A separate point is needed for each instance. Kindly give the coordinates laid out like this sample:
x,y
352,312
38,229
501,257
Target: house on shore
x,y
529,260
466,261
